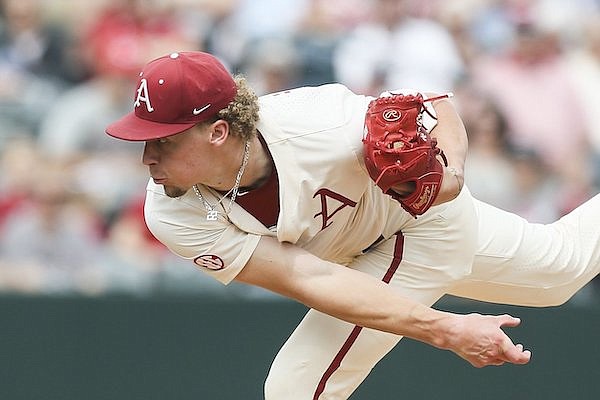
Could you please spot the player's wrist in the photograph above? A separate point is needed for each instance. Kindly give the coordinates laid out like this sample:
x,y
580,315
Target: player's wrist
x,y
458,178
452,184
434,326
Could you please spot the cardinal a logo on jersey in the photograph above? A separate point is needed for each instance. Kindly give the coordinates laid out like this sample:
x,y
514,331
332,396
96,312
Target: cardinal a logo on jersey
x,y
143,96
210,261
324,195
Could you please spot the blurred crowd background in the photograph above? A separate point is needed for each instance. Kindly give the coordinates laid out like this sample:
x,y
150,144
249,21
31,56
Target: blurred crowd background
x,y
525,73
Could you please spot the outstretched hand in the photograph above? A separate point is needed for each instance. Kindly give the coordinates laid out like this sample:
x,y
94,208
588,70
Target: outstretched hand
x,y
480,340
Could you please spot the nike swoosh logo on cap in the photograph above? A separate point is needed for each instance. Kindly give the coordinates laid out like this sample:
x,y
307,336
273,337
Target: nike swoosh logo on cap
x,y
199,110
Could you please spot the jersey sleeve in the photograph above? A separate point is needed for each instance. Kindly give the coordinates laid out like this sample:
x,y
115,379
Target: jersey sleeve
x,y
217,248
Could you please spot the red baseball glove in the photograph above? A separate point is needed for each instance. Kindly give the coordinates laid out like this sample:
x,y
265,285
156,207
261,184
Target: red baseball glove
x,y
398,149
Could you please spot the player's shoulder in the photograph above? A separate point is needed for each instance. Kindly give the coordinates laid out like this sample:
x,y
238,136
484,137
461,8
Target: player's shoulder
x,y
159,207
314,107
308,94
327,88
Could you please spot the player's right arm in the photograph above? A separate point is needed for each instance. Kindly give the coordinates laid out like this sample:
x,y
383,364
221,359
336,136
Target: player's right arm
x,y
360,299
451,137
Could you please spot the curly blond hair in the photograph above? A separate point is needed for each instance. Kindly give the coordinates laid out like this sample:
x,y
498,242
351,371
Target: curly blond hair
x,y
242,112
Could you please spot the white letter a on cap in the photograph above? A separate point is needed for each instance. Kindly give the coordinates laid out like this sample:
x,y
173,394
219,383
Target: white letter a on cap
x,y
142,95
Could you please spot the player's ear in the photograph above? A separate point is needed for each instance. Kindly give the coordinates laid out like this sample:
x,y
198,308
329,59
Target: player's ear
x,y
218,131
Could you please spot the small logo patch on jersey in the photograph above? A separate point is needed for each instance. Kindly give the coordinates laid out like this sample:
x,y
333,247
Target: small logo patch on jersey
x,y
210,261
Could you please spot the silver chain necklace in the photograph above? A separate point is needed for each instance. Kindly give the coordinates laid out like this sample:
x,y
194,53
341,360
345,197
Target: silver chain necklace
x,y
211,211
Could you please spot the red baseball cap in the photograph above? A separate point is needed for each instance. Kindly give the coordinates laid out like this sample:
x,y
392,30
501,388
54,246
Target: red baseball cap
x,y
174,93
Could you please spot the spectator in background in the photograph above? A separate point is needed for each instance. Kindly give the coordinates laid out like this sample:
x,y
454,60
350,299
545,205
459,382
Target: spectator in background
x,y
397,50
18,157
251,21
36,63
71,126
529,77
474,27
538,196
53,236
584,67
498,171
323,25
489,172
272,65
131,259
32,43
127,32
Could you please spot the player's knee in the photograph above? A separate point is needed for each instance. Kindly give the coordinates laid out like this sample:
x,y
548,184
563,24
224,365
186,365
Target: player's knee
x,y
273,387
557,296
555,300
282,383
572,279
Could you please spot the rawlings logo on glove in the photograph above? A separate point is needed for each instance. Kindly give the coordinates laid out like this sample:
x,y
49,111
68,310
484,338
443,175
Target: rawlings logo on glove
x,y
399,150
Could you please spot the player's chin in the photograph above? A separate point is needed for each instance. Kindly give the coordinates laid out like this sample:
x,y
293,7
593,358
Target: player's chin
x,y
174,191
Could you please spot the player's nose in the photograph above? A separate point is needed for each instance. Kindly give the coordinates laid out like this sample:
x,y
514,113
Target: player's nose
x,y
150,155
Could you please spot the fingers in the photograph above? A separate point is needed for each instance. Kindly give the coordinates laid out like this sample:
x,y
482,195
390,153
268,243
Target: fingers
x,y
508,353
480,340
509,321
501,349
516,354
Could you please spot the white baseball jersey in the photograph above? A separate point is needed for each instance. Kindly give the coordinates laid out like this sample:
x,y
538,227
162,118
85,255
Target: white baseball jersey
x,y
328,203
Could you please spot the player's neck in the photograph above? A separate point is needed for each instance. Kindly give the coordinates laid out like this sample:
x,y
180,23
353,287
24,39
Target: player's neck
x,y
259,166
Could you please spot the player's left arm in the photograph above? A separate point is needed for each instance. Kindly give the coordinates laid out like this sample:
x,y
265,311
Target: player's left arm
x,y
451,137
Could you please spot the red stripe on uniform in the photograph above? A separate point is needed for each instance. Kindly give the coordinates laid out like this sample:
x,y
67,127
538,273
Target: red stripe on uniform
x,y
337,360
398,250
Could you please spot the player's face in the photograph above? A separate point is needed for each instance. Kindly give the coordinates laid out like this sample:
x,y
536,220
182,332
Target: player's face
x,y
177,162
